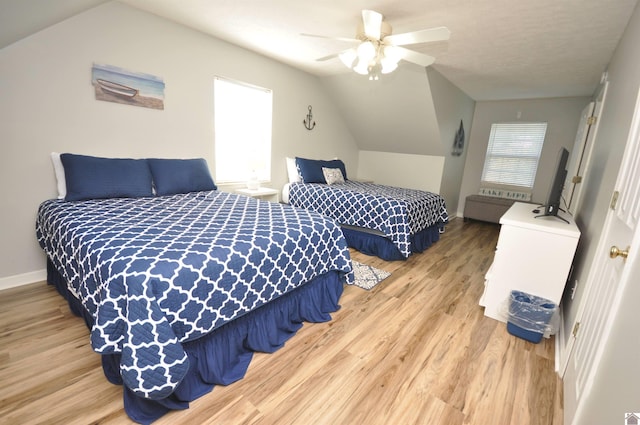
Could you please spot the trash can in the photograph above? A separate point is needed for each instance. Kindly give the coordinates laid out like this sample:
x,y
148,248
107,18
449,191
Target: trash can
x,y
529,316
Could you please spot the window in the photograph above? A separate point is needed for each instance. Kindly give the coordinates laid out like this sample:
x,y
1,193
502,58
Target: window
x,y
242,131
513,153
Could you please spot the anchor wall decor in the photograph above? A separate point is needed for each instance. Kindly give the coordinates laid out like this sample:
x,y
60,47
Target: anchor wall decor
x,y
309,124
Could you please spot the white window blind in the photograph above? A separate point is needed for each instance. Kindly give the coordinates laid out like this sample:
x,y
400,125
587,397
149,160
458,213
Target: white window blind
x,y
242,131
513,153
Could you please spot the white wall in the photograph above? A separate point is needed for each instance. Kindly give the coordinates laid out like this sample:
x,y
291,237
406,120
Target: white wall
x,y
451,106
394,114
412,111
599,179
47,104
615,388
422,172
562,116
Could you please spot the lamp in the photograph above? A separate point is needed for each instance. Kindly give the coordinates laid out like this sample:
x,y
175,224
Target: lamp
x,y
254,164
371,58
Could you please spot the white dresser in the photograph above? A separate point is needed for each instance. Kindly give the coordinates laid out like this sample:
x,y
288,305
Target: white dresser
x,y
533,255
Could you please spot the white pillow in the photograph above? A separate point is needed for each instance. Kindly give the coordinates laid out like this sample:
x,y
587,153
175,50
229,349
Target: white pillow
x,y
292,171
332,175
60,177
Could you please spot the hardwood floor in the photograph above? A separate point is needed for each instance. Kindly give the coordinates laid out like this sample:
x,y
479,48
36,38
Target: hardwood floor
x,y
416,349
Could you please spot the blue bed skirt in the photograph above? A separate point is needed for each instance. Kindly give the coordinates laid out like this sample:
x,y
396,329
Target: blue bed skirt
x,y
223,356
380,246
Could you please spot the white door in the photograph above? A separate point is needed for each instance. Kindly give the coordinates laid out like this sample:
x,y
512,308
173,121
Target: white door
x,y
607,279
577,169
581,152
573,182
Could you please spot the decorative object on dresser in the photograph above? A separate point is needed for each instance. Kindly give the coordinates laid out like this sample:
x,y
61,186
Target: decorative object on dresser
x,y
533,255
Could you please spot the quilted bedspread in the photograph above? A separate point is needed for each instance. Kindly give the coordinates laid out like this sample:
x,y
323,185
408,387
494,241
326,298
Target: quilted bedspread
x,y
157,272
396,212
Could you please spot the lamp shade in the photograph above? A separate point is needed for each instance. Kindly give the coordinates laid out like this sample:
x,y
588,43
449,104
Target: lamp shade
x,y
388,65
392,53
362,67
366,51
372,58
348,57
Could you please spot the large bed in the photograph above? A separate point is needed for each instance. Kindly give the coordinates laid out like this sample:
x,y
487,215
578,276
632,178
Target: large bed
x,y
179,289
385,221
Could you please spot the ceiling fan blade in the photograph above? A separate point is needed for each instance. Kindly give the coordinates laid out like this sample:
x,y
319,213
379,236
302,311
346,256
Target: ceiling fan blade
x,y
350,40
372,23
326,58
422,36
415,57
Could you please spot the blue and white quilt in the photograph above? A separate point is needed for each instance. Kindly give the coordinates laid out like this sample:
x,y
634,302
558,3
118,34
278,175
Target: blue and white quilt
x,y
396,212
157,272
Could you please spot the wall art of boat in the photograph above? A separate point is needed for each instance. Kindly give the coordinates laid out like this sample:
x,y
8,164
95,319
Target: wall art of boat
x,y
115,88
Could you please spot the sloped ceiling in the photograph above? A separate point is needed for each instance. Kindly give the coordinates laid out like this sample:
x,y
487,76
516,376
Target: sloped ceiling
x,y
499,49
21,18
394,114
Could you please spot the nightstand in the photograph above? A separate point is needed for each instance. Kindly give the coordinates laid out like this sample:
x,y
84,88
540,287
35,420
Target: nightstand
x,y
264,193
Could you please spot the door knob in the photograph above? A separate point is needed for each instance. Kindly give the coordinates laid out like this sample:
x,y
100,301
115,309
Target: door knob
x,y
617,252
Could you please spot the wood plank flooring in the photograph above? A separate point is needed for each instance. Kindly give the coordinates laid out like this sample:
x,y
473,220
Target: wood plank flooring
x,y
416,349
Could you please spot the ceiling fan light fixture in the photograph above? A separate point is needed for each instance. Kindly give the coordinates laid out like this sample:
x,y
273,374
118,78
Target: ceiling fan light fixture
x,y
379,51
362,67
348,57
366,51
388,65
391,53
374,71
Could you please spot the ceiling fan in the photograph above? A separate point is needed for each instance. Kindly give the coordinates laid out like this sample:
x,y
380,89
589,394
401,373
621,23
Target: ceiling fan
x,y
379,51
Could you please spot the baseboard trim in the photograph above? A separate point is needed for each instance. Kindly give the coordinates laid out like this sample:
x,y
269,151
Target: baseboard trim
x,y
22,279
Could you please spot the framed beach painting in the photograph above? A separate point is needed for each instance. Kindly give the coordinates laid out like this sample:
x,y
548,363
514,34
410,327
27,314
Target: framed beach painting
x,y
114,84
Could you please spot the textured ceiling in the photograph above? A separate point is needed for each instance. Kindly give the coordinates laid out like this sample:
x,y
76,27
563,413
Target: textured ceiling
x,y
499,49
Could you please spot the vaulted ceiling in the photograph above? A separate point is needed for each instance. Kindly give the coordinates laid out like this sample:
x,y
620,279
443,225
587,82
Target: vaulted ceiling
x,y
499,49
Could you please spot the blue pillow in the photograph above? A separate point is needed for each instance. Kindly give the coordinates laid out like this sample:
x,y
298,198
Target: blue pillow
x,y
90,177
172,176
311,169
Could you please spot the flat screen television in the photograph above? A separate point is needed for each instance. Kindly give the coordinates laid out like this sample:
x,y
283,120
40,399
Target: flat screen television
x,y
554,198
